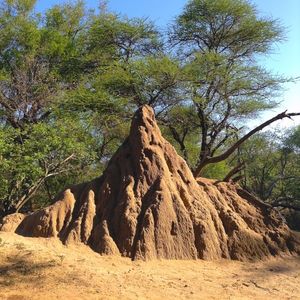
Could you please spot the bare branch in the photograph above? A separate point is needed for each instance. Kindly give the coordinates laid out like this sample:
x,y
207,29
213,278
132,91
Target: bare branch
x,y
234,171
284,205
228,152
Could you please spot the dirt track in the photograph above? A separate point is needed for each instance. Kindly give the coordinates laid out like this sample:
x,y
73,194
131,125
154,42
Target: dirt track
x,y
44,269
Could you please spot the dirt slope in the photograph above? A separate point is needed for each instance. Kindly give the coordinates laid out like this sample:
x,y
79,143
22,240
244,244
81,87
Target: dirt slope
x,y
41,269
148,205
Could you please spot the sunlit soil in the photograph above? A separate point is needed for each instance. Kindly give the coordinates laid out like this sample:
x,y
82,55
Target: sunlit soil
x,y
36,268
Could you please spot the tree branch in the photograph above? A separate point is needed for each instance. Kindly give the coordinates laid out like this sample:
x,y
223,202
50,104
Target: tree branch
x,y
234,171
228,152
290,206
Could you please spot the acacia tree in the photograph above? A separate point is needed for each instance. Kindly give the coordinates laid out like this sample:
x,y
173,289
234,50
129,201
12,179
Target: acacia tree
x,y
119,50
69,84
219,42
138,71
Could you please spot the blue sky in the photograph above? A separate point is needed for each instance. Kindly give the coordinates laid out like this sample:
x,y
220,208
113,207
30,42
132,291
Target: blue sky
x,y
285,58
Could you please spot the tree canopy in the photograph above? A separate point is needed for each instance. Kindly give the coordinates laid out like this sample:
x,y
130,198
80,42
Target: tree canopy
x,y
71,78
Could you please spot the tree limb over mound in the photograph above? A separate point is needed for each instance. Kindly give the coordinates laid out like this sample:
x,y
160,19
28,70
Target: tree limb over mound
x,y
287,202
289,206
228,152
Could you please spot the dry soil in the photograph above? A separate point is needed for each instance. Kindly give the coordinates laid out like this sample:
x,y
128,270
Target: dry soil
x,y
38,268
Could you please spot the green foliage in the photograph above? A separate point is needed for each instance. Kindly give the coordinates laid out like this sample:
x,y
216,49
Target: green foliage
x,y
292,142
19,32
38,152
219,42
63,33
216,171
233,24
70,80
273,167
181,130
122,37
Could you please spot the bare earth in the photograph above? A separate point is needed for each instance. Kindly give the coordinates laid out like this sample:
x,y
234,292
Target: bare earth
x,y
37,268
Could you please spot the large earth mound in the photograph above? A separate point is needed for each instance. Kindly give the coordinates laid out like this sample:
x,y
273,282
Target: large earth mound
x,y
148,205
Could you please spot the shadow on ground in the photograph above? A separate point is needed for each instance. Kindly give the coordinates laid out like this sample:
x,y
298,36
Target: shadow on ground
x,y
20,268
286,264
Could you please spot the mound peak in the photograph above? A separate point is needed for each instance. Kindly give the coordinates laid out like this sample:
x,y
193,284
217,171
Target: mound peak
x,y
148,205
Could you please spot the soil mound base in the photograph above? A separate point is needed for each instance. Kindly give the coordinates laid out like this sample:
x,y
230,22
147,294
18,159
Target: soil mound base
x,y
148,205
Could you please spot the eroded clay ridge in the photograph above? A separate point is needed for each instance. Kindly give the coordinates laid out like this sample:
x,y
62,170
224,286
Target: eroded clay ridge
x,y
148,205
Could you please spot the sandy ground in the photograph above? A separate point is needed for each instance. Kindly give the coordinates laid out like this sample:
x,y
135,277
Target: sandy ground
x,y
45,269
